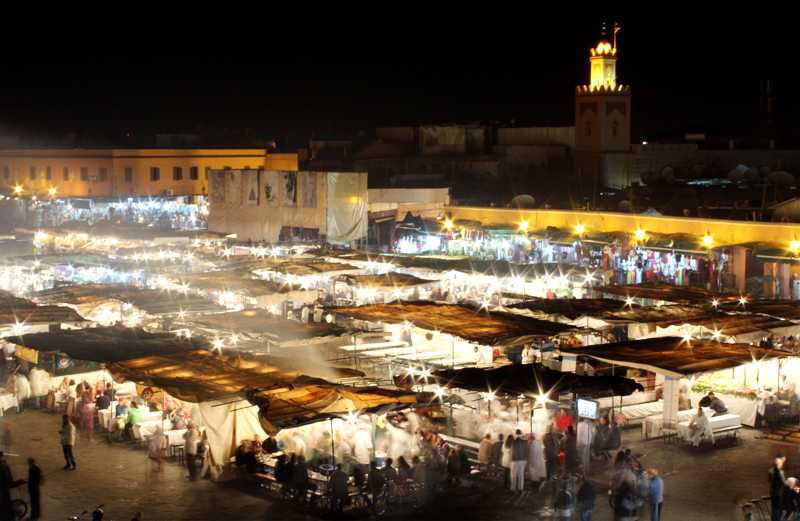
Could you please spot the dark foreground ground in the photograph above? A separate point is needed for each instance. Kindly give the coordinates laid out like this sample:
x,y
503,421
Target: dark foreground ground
x,y
703,485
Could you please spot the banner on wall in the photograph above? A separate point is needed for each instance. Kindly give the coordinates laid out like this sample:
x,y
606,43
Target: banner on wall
x,y
218,187
309,181
252,188
290,189
236,187
270,188
347,206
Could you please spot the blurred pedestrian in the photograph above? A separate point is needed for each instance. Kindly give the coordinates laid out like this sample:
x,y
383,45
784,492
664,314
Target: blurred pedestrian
x,y
35,480
585,499
6,483
23,390
655,494
190,449
67,433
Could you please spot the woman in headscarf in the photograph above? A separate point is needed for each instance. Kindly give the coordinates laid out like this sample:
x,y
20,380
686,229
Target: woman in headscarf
x,y
86,413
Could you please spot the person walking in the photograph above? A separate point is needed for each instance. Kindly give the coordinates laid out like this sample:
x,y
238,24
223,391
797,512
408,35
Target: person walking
x,y
586,498
655,494
35,480
67,433
190,449
520,451
777,479
6,483
22,388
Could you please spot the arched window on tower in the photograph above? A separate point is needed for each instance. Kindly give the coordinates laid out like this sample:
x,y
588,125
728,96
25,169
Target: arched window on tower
x,y
614,129
588,128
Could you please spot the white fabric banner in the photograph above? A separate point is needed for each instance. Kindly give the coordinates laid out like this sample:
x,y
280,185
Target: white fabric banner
x,y
671,389
227,424
347,206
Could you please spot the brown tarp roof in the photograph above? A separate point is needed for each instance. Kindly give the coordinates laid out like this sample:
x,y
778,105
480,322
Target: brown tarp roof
x,y
674,356
788,309
467,322
11,315
533,380
573,308
387,281
261,324
665,291
307,399
154,302
231,281
109,344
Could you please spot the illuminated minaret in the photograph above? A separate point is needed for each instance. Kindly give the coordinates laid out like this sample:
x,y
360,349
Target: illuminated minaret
x,y
602,118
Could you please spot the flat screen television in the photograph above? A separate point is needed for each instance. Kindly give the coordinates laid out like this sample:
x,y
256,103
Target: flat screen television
x,y
588,409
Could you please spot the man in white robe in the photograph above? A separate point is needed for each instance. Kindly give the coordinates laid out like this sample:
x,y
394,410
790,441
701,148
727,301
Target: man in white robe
x,y
698,426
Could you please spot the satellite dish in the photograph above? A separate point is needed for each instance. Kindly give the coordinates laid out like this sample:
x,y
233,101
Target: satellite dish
x,y
696,172
668,171
734,176
764,170
750,175
683,173
780,178
624,206
741,168
522,201
649,177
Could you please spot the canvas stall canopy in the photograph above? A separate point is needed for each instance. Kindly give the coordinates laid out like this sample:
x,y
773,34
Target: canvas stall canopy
x,y
533,380
259,325
667,292
676,357
470,323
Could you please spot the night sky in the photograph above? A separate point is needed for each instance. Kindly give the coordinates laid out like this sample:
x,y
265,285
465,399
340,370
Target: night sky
x,y
687,72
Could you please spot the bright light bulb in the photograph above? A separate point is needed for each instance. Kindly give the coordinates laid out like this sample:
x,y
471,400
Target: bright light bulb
x,y
640,234
523,225
579,228
708,240
795,244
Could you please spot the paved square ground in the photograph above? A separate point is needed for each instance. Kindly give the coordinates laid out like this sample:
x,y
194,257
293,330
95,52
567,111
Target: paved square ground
x,y
703,485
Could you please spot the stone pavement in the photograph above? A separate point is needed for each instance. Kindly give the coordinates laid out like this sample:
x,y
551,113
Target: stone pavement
x,y
702,485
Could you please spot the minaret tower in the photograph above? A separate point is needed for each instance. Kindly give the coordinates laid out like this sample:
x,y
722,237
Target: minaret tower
x,y
602,118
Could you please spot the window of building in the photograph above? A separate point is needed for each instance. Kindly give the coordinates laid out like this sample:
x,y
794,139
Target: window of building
x,y
155,173
193,174
66,174
177,173
48,174
614,129
128,174
6,173
33,173
103,174
84,173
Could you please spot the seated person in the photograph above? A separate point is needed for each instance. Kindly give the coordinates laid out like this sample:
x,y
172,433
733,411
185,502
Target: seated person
x,y
110,391
240,456
717,405
270,445
102,402
251,462
561,421
178,419
787,388
122,408
134,417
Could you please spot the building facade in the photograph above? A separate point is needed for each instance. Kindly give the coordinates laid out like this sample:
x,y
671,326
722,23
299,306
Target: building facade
x,y
126,172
